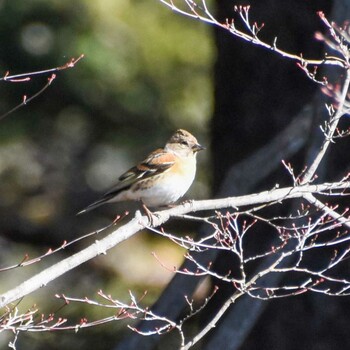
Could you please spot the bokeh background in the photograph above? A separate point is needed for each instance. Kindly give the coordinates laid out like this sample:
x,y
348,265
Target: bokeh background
x,y
146,72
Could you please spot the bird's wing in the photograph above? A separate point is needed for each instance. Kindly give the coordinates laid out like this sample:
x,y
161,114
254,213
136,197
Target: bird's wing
x,y
156,163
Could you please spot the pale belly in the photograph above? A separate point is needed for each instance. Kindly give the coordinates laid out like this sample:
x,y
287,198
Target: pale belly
x,y
166,191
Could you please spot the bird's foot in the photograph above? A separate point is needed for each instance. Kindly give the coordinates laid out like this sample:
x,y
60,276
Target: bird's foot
x,y
152,217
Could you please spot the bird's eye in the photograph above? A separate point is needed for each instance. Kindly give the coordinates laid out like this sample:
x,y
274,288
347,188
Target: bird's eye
x,y
185,143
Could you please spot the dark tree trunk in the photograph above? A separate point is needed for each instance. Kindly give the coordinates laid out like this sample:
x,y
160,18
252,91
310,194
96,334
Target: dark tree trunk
x,y
257,94
260,101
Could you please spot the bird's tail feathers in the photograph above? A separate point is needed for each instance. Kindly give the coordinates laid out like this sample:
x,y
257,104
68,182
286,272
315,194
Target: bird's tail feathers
x,y
96,204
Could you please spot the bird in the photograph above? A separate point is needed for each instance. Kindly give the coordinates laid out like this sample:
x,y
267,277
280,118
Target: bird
x,y
161,178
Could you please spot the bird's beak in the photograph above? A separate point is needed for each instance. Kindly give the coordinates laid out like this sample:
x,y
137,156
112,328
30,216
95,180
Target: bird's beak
x,y
197,147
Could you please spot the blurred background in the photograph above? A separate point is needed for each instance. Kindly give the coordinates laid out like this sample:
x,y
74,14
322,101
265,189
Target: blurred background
x,y
146,72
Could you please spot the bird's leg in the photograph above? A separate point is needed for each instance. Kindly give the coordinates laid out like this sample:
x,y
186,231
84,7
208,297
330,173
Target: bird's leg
x,y
151,216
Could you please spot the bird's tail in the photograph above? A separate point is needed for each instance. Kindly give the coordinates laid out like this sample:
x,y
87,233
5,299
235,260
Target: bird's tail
x,y
96,204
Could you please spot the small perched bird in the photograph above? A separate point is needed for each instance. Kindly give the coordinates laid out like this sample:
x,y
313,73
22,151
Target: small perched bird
x,y
161,179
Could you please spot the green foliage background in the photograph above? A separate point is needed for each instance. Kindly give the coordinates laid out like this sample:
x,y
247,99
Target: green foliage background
x,y
146,72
